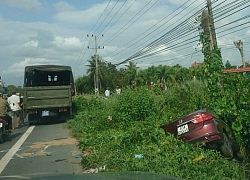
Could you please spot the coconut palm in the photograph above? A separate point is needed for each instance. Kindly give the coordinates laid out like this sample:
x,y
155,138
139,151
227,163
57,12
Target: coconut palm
x,y
92,68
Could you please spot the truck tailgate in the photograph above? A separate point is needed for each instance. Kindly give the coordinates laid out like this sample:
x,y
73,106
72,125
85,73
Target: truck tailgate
x,y
47,97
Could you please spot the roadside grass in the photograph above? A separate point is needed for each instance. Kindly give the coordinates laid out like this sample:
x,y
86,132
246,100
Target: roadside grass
x,y
122,133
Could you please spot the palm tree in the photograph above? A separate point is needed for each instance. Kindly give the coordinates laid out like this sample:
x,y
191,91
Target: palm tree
x,y
92,69
131,71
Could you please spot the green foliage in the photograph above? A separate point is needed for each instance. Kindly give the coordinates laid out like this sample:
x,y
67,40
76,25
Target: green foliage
x,y
81,103
237,110
115,141
228,65
83,85
12,88
183,99
228,94
134,105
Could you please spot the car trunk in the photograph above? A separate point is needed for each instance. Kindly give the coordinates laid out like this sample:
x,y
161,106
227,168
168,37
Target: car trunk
x,y
182,127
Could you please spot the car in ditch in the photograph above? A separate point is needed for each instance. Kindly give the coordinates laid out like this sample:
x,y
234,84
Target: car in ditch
x,y
205,127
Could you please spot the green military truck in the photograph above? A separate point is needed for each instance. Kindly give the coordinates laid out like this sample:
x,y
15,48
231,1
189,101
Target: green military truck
x,y
48,92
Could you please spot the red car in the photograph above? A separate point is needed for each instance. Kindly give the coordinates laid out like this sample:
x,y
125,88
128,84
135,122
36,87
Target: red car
x,y
204,126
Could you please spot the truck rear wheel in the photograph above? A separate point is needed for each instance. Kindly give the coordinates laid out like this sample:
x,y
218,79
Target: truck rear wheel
x,y
1,135
226,148
32,119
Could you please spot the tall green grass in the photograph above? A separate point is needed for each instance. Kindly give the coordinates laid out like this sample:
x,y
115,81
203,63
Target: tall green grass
x,y
119,128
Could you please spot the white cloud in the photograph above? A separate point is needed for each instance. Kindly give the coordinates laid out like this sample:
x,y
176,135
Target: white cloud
x,y
23,4
63,6
57,34
81,17
19,67
31,44
67,43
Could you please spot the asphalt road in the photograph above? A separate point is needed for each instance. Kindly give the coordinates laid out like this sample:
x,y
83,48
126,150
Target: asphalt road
x,y
39,150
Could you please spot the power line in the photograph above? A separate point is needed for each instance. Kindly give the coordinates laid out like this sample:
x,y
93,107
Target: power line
x,y
79,59
220,19
112,19
161,39
127,25
100,18
155,26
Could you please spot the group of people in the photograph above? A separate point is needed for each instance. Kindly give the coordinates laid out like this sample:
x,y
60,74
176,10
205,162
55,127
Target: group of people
x,y
107,91
9,109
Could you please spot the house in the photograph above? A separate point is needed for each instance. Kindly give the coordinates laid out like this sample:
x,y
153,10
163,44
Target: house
x,y
236,70
195,64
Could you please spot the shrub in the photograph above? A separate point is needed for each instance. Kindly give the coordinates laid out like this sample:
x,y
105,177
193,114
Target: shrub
x,y
134,105
115,143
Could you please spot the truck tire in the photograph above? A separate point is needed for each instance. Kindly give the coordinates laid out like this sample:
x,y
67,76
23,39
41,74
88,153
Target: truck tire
x,y
32,119
226,148
1,135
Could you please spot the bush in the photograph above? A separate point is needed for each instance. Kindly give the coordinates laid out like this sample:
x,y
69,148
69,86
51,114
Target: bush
x,y
134,105
134,130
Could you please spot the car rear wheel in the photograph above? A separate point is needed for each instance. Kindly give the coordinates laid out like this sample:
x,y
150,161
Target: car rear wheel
x,y
226,148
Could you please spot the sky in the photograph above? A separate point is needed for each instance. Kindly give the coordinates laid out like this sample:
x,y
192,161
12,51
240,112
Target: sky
x,y
148,32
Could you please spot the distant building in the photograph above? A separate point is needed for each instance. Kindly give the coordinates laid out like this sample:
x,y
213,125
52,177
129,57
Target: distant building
x,y
236,70
195,64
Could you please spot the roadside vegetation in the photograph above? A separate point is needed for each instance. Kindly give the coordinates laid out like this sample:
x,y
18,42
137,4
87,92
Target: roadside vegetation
x,y
122,132
119,129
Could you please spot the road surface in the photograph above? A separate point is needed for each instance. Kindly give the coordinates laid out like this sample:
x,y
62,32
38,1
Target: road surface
x,y
39,150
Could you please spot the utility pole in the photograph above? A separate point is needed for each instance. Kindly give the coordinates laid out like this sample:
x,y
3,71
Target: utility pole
x,y
207,22
96,77
211,24
207,30
239,45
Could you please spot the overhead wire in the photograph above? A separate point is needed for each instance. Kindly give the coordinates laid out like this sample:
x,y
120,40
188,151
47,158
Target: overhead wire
x,y
164,49
106,15
231,13
127,25
231,22
220,14
105,28
235,21
226,8
78,63
159,40
156,28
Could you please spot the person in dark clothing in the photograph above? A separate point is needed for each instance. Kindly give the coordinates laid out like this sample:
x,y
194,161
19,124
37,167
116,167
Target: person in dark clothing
x,y
4,108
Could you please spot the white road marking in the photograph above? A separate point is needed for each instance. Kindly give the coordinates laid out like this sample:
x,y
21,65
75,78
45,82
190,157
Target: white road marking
x,y
6,159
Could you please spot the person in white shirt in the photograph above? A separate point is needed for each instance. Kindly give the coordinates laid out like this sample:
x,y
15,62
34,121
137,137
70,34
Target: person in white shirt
x,y
118,90
107,92
14,103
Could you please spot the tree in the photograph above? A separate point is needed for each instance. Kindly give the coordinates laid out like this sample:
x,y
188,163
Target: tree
x,y
92,69
111,77
131,71
83,85
228,65
12,88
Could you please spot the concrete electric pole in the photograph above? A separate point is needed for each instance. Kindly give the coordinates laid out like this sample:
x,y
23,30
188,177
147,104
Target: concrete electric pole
x,y
207,23
211,24
96,78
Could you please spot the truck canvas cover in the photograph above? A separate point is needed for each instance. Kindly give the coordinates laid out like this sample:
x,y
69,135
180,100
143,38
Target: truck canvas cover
x,y
48,75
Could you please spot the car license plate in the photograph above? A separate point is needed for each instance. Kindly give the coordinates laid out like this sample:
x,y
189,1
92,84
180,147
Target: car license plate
x,y
182,129
45,113
1,125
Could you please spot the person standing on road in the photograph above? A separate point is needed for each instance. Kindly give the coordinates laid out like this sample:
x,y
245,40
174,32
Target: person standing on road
x,y
4,108
14,103
21,108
